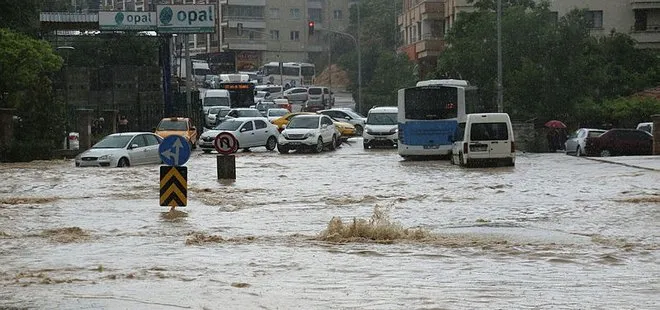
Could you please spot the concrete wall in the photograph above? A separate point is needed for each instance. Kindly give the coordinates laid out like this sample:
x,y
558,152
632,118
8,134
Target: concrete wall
x,y
526,137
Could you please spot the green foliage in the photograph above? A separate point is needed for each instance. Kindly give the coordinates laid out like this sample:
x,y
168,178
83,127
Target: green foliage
x,y
628,112
21,16
392,73
553,69
25,64
25,67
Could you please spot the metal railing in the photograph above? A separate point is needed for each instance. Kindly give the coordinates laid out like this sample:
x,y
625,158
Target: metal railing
x,y
645,28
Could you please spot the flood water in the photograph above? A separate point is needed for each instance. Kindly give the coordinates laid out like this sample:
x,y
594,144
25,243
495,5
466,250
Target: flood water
x,y
347,229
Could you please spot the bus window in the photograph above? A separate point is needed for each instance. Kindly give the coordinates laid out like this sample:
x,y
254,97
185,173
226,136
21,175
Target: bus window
x,y
431,103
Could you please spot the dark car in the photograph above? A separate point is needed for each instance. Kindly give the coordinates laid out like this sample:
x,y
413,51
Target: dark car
x,y
619,142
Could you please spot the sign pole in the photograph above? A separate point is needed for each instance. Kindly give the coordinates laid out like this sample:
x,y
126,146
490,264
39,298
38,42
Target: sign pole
x,y
226,167
226,144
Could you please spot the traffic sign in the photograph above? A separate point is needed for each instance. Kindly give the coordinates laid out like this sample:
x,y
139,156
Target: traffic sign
x,y
173,186
174,150
225,143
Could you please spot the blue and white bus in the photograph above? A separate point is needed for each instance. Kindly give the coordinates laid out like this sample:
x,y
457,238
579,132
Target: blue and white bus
x,y
428,116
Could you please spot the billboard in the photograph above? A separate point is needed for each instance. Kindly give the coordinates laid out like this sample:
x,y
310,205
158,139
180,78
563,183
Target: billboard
x,y
127,20
199,18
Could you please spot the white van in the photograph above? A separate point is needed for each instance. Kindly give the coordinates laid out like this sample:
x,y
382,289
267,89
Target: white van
x,y
215,97
275,91
484,138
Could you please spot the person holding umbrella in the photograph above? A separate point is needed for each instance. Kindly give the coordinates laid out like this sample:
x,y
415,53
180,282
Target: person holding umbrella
x,y
556,137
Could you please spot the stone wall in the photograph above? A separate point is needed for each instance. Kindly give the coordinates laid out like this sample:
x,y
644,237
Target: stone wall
x,y
526,137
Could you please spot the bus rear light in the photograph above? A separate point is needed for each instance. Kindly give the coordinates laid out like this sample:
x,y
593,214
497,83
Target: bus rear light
x,y
465,148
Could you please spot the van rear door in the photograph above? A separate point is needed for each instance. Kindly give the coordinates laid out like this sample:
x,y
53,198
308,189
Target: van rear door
x,y
491,139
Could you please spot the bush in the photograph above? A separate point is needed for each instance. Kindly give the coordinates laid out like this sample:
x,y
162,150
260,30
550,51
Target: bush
x,y
24,151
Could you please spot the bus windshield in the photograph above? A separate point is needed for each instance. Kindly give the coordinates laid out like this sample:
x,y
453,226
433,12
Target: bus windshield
x,y
431,103
307,71
292,71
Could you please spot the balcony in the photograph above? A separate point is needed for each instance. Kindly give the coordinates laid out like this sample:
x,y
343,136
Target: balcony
x,y
245,44
429,46
253,22
645,4
648,38
431,10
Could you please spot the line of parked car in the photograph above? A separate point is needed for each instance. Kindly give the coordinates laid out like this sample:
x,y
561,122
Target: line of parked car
x,y
613,142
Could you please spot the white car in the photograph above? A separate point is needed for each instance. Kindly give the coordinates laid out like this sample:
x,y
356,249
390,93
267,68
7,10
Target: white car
x,y
122,150
577,141
308,131
275,113
249,131
349,116
213,113
381,128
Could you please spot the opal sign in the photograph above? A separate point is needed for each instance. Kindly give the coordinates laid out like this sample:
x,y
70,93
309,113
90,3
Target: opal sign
x,y
186,18
125,20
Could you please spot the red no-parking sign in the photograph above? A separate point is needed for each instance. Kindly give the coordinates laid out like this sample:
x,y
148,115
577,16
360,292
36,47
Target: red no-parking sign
x,y
225,143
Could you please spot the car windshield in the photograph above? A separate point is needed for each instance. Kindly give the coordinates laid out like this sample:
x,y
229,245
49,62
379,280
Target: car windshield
x,y
382,119
304,122
214,110
223,112
353,114
113,142
230,125
216,101
277,112
593,133
167,124
248,113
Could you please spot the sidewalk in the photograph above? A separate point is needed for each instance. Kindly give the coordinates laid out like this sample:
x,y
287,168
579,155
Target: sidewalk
x,y
651,162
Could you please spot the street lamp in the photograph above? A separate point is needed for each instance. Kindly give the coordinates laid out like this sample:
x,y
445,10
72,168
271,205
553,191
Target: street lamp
x,y
68,50
500,87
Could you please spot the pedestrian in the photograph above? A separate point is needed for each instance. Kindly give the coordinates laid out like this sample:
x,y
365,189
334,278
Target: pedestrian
x,y
123,124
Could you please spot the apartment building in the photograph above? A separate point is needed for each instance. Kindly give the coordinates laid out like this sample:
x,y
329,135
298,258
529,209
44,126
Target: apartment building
x,y
422,23
260,31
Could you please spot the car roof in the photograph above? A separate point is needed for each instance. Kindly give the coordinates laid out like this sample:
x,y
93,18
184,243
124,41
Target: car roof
x,y
246,118
384,109
309,115
133,133
175,118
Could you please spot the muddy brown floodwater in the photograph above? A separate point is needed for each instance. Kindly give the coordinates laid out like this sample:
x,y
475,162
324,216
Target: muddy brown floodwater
x,y
347,229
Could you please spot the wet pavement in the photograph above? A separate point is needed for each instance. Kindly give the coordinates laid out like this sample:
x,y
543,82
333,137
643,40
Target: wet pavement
x,y
344,229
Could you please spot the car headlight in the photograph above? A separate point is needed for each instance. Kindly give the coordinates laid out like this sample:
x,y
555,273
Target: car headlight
x,y
369,131
394,130
308,135
105,157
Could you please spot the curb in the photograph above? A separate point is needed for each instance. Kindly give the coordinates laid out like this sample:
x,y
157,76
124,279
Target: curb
x,y
621,164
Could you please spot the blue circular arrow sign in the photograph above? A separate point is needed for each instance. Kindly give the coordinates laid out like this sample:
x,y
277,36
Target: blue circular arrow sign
x,y
174,150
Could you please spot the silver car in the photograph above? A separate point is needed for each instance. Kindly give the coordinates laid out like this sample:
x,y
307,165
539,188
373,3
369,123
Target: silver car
x,y
296,94
122,150
577,140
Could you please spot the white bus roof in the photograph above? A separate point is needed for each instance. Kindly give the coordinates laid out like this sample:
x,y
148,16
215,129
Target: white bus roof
x,y
445,82
234,77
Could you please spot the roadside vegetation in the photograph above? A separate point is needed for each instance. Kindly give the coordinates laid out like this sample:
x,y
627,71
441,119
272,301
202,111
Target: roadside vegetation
x,y
553,67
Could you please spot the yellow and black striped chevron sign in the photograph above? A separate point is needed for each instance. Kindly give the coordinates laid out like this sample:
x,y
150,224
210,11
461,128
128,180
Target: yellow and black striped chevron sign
x,y
173,186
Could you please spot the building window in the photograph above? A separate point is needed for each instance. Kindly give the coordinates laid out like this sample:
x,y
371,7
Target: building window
x,y
337,14
295,35
554,16
274,13
294,13
594,19
315,15
275,34
242,11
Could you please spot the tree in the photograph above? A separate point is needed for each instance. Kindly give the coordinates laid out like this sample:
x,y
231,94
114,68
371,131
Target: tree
x,y
25,64
25,67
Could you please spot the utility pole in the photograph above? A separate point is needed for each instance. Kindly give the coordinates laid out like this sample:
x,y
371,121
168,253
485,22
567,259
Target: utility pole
x,y
189,79
500,87
359,51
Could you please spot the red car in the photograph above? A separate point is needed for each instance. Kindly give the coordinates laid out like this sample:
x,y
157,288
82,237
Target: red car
x,y
618,142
